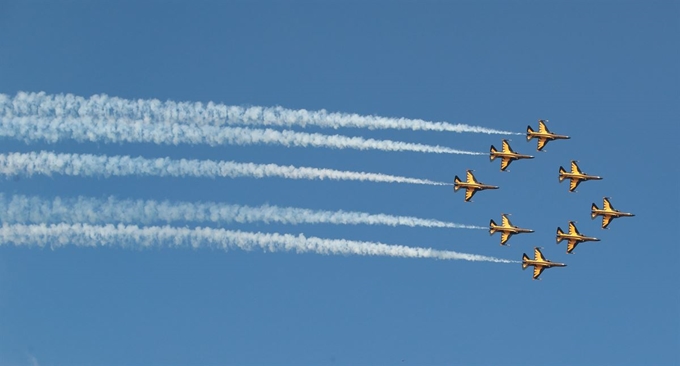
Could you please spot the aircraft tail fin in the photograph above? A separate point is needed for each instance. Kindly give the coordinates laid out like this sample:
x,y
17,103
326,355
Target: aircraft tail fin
x,y
593,207
493,150
492,227
559,235
562,171
525,258
456,181
530,131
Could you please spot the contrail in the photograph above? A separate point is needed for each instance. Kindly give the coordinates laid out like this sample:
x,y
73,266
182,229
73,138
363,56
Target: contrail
x,y
48,163
25,209
153,110
81,129
132,236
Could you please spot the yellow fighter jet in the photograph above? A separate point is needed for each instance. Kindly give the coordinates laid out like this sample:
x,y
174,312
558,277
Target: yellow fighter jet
x,y
607,212
539,262
506,155
471,185
576,176
506,228
573,237
543,135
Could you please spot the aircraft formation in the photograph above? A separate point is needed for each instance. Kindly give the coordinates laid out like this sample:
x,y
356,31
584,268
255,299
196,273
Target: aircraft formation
x,y
575,176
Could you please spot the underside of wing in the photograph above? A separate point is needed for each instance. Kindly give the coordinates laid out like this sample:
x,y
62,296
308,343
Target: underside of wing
x,y
505,162
470,177
574,168
505,221
572,228
538,256
537,271
469,193
541,143
506,147
573,183
542,128
571,244
606,205
504,237
606,219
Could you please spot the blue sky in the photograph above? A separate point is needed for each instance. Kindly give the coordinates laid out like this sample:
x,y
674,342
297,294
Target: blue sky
x,y
603,72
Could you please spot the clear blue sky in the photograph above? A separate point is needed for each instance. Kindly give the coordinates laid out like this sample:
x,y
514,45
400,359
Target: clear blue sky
x,y
603,72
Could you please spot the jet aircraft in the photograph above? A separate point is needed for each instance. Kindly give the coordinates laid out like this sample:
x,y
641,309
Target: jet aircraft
x,y
607,212
573,237
543,135
576,176
471,185
506,229
506,155
539,262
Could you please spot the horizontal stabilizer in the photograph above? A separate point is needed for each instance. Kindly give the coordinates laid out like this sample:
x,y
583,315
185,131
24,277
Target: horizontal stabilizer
x,y
492,227
559,235
493,150
593,214
529,133
525,258
562,171
456,181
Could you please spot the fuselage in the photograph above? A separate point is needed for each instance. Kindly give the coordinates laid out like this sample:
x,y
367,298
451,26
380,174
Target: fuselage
x,y
475,185
511,155
513,230
568,175
611,213
577,237
548,135
544,264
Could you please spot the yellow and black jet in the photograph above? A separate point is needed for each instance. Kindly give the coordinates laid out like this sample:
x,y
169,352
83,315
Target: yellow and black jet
x,y
539,262
607,212
576,176
506,155
573,237
471,185
506,229
543,135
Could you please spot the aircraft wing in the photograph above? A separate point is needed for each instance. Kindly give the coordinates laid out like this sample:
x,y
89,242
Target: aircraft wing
x,y
606,205
506,147
571,244
542,128
538,256
573,183
505,162
537,271
469,193
606,219
470,177
572,229
574,168
505,236
541,143
505,221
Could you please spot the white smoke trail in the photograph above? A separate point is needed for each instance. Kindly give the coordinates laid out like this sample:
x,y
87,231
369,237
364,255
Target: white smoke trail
x,y
153,110
88,129
49,163
132,236
24,209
